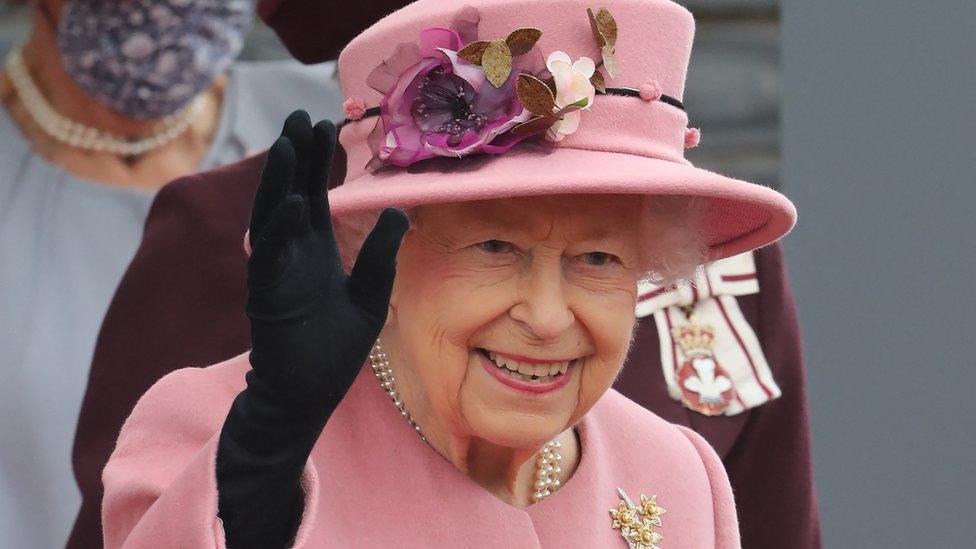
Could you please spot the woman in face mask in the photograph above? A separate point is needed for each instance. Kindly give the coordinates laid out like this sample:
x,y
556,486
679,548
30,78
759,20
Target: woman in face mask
x,y
105,102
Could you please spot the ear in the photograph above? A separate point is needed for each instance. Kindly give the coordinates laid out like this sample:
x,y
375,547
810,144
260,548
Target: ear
x,y
398,282
394,299
390,314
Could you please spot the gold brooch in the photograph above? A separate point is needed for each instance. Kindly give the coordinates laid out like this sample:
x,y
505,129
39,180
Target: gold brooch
x,y
638,523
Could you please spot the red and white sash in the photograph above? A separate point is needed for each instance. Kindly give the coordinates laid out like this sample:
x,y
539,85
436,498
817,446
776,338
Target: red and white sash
x,y
735,347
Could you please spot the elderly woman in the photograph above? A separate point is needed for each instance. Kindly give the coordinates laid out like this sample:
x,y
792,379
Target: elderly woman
x,y
484,425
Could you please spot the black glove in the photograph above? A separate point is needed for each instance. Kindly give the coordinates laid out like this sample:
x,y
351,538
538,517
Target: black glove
x,y
312,328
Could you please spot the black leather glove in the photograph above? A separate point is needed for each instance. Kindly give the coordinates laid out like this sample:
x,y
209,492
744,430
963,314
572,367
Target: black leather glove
x,y
312,328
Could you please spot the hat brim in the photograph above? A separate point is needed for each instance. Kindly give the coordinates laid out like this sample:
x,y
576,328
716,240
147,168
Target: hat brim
x,y
738,216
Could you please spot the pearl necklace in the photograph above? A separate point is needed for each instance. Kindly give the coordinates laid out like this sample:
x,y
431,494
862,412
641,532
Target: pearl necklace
x,y
547,460
83,137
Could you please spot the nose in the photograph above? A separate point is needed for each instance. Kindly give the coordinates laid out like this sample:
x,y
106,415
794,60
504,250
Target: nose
x,y
543,307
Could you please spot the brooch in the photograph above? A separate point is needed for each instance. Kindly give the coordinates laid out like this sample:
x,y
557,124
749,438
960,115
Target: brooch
x,y
705,386
638,524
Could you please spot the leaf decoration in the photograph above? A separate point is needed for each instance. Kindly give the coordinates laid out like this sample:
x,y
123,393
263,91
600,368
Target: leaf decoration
x,y
582,103
599,82
542,123
496,56
497,63
551,82
535,95
535,126
604,27
610,62
474,52
605,31
578,106
521,41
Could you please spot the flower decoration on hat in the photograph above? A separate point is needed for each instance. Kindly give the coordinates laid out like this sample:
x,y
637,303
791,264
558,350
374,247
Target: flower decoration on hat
x,y
604,28
454,94
556,112
437,103
573,88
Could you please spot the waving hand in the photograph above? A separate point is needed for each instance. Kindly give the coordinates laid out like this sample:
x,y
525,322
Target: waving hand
x,y
312,327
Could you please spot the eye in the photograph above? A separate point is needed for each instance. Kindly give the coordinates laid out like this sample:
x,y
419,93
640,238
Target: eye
x,y
496,246
599,259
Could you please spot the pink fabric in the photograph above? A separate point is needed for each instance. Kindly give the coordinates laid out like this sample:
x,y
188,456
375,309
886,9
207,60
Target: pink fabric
x,y
624,144
739,216
354,108
371,482
726,523
651,91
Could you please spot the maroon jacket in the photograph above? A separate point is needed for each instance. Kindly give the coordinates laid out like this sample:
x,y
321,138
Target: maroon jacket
x,y
181,304
766,450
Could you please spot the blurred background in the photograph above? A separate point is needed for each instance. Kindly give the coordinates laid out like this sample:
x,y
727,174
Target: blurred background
x,y
878,118
877,136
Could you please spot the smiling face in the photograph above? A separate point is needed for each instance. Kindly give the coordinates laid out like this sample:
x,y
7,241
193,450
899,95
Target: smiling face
x,y
510,318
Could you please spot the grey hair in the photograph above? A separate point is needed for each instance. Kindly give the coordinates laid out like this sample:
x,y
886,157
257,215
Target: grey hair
x,y
352,229
674,246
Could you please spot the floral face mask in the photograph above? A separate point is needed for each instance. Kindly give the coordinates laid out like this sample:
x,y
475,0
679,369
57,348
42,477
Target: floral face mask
x,y
148,58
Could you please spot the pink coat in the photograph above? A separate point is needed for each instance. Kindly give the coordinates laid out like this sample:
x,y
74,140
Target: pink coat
x,y
371,482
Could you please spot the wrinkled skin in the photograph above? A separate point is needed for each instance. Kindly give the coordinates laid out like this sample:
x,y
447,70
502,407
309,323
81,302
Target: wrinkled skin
x,y
550,278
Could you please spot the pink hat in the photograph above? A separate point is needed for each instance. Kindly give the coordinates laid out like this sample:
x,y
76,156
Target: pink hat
x,y
590,105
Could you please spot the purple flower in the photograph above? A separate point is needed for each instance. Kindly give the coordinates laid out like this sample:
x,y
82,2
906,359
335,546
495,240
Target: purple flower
x,y
446,105
436,104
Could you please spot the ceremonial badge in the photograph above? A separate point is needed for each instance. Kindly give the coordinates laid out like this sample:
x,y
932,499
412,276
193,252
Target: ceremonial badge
x,y
711,357
705,385
638,524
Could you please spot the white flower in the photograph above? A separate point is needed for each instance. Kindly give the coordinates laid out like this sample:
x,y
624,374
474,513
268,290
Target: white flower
x,y
572,87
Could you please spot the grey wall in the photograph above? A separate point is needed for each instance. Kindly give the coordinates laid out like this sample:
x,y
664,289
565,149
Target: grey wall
x,y
878,154
733,91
